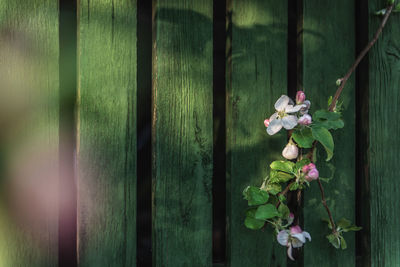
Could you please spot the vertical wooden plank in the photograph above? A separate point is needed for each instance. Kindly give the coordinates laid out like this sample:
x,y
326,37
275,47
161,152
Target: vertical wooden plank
x,y
182,133
328,52
107,133
256,78
384,99
29,94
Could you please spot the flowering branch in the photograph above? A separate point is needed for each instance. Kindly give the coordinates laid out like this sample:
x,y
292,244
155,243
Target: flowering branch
x,y
343,82
268,204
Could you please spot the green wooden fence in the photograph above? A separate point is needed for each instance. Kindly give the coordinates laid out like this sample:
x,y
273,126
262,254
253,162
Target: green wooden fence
x,y
105,133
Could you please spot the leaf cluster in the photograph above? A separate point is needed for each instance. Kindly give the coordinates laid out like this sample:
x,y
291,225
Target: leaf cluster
x,y
342,226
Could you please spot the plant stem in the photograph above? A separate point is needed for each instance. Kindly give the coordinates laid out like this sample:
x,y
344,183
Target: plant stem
x,y
326,206
284,192
360,57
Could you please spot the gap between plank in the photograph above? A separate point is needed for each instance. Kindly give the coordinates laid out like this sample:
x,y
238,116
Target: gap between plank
x,y
144,120
219,133
363,240
67,228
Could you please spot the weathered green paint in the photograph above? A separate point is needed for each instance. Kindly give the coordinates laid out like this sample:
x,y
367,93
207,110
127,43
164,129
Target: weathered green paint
x,y
182,133
107,133
29,93
328,52
256,78
384,99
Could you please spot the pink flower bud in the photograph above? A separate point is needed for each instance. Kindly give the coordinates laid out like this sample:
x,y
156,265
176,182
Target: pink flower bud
x,y
290,151
313,174
291,215
295,230
311,166
305,168
266,122
300,97
305,120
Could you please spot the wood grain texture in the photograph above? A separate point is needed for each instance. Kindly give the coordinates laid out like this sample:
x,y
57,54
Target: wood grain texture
x,y
256,78
107,133
182,133
328,52
384,82
29,134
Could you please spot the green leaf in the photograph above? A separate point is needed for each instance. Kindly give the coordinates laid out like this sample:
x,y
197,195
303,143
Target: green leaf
x,y
265,212
294,186
323,114
328,222
343,243
279,177
303,138
273,188
397,8
343,223
282,165
327,119
325,138
353,228
390,2
334,240
314,156
283,210
255,196
251,222
330,99
281,198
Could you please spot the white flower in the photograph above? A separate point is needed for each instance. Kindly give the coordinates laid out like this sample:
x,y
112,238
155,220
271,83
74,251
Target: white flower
x,y
281,118
294,238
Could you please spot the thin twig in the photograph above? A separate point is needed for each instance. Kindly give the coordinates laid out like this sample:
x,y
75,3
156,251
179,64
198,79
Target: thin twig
x,y
284,192
326,206
360,57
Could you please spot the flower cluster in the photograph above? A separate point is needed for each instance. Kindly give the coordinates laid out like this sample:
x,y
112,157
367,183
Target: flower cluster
x,y
295,172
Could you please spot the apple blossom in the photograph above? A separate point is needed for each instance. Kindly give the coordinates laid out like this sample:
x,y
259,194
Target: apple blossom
x,y
266,122
282,118
293,238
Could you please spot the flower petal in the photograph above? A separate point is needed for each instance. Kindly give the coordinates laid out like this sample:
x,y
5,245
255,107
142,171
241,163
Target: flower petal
x,y
289,122
293,109
307,235
289,252
282,102
274,126
299,237
273,116
296,243
283,238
